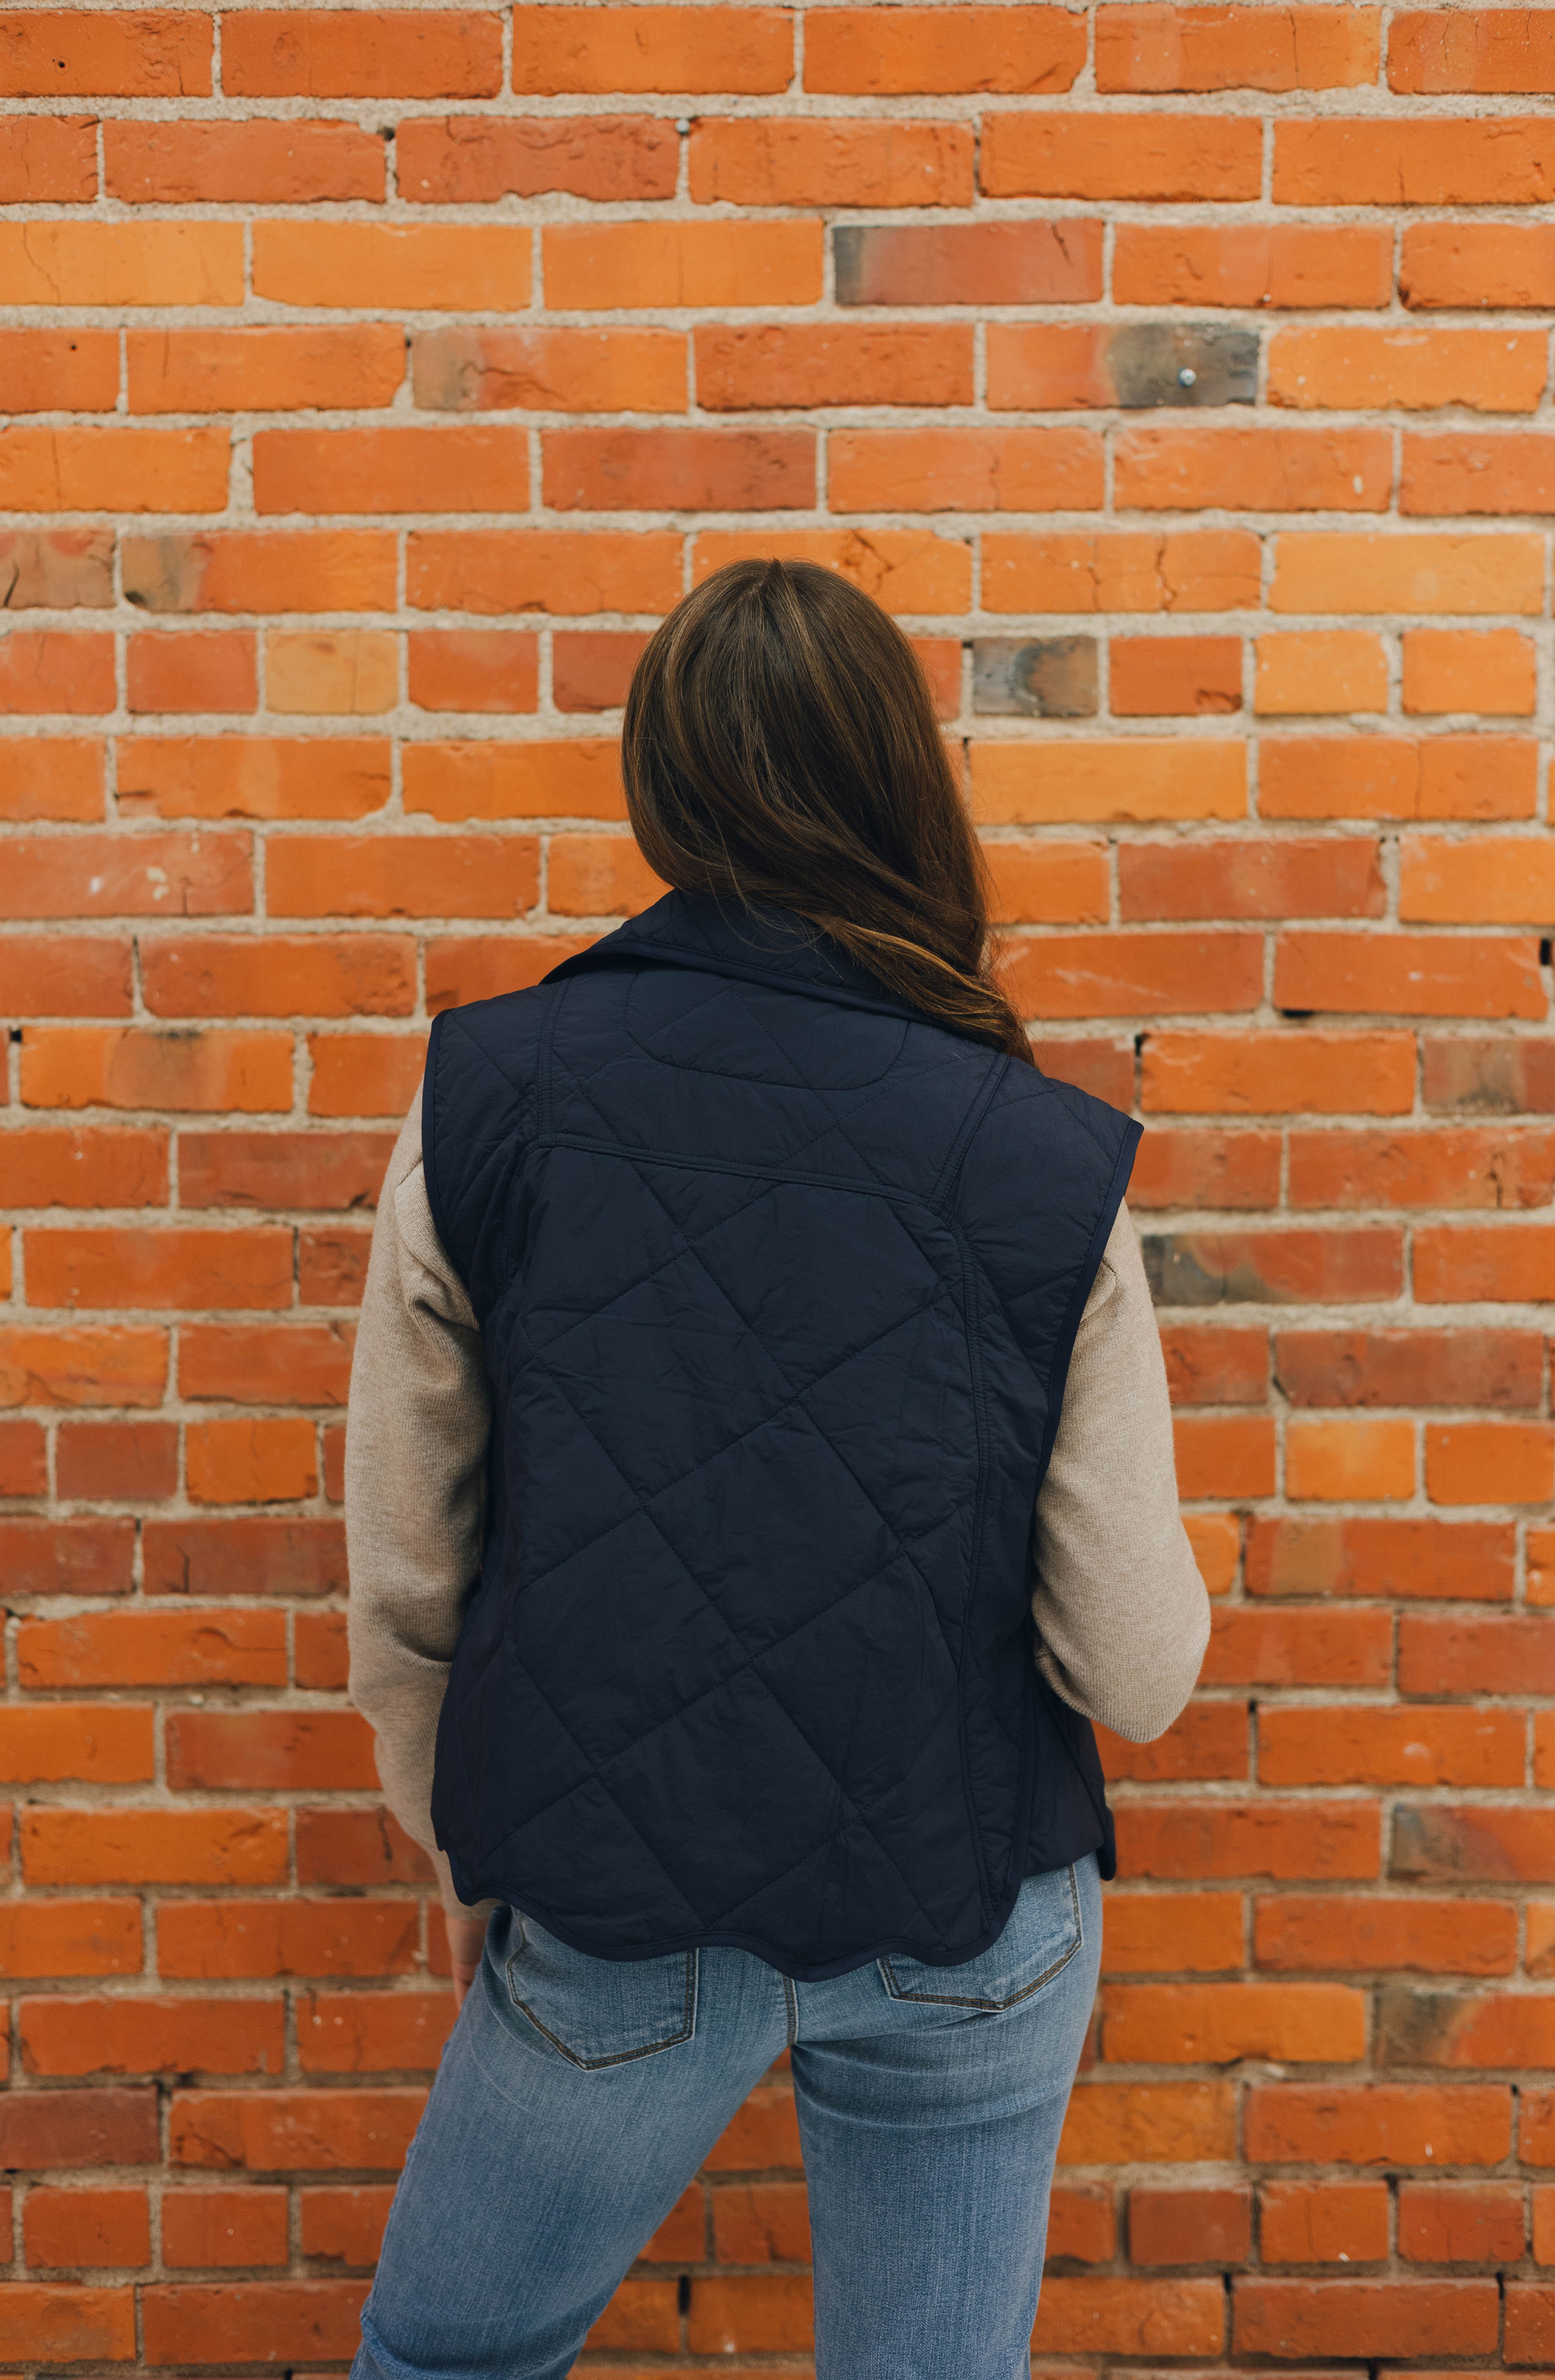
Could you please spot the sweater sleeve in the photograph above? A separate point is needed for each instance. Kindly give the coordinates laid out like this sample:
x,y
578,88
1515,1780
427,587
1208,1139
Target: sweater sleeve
x,y
416,1431
1123,1617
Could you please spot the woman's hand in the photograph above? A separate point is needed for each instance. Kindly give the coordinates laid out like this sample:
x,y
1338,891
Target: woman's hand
x,y
466,1939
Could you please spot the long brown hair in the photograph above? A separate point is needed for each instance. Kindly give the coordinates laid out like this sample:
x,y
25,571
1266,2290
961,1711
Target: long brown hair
x,y
780,746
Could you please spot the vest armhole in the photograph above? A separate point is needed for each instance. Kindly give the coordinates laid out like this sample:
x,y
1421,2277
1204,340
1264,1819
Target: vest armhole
x,y
429,1134
1065,1348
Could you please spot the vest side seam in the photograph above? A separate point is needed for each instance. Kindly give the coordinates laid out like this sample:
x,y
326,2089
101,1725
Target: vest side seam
x,y
1064,1347
971,1314
429,1138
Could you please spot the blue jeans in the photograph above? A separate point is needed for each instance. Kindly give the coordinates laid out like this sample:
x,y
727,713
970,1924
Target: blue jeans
x,y
577,2096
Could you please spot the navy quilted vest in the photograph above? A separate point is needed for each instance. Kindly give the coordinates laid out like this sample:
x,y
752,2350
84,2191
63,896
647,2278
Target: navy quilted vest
x,y
778,1285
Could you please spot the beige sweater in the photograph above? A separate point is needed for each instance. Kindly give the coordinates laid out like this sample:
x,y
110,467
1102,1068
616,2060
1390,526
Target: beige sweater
x,y
1121,1614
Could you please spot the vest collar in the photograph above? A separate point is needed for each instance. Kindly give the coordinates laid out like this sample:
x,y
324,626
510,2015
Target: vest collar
x,y
759,944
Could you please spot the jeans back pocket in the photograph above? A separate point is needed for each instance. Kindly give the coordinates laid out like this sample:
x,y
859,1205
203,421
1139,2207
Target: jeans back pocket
x,y
1042,1936
601,2011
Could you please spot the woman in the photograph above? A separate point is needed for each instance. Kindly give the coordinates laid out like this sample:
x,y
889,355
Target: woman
x,y
760,1476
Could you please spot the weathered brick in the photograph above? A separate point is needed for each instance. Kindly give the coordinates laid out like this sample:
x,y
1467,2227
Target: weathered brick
x,y
475,160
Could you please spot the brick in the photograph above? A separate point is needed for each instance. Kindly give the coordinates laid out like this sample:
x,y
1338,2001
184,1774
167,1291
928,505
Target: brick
x,y
165,2034
63,263
1104,1067
207,2228
24,1469
968,264
1541,1567
1069,154
364,1073
211,974
1433,1560
592,875
960,471
240,1939
96,1743
343,2223
1477,265
1223,1454
1269,1074
1270,1838
1296,876
1205,1169
475,160
742,367
612,49
346,672
1490,672
763,2223
1368,161
1408,1368
555,370
47,158
1468,473
1537,2139
483,267
264,570
62,569
591,668
321,1657
1465,1168
52,1165
1358,368
1218,2024
136,54
1442,776
1469,1262
86,2229
1050,883
154,1648
397,470
1484,1462
1149,2123
1019,50
560,571
367,53
44,1557
829,161
679,470
1132,973
54,777
56,368
364,875
1441,1844
332,1267
189,2321
1421,974
1477,49
1132,365
1371,1459
268,1752
1319,671
1252,469
152,1268
480,966
1209,1739
259,161
1530,2324
69,2128
591,266
1259,1646
155,875
269,370
1344,1745
43,671
117,1459
1179,676
1154,47
1189,2227
1164,1934
124,1066
70,1938
1378,1934
1377,2123
1365,2316
305,2131
56,2318
1429,571
1447,1656
1284,266
1141,778
125,1846
1489,1077
1323,2222
1463,2030
337,1846
1131,2316
374,2033
1274,1267
488,780
250,1461
474,669
1174,570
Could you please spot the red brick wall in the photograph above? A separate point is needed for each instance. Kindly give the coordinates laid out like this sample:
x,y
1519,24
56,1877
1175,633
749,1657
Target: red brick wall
x,y
377,380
